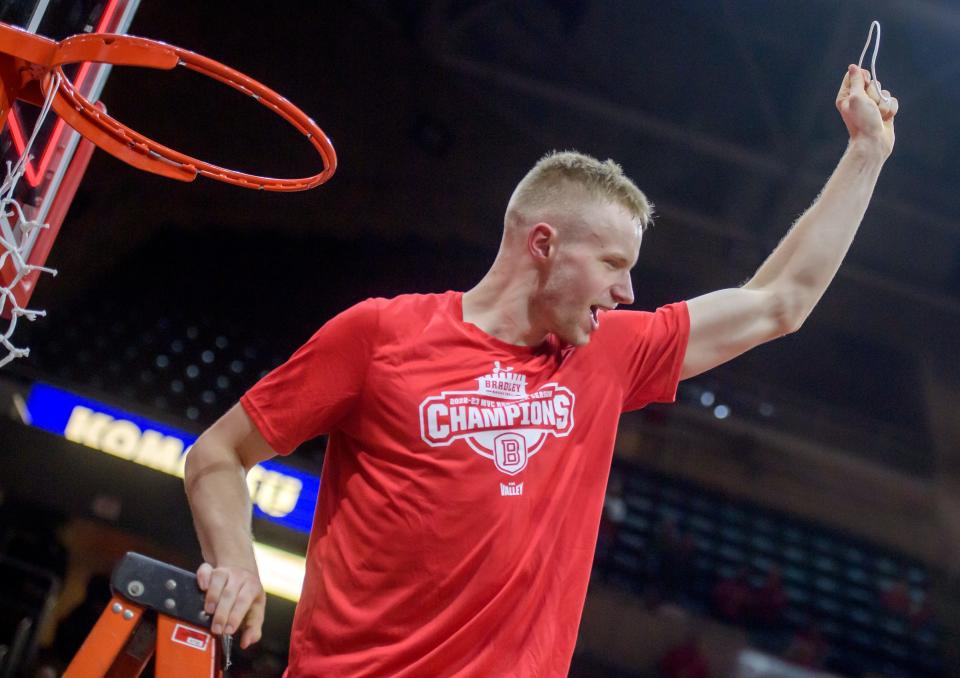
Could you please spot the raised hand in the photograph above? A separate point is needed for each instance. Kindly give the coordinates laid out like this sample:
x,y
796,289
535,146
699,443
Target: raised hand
x,y
867,115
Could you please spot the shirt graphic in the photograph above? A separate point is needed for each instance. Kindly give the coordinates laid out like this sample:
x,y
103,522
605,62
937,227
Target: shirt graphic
x,y
499,420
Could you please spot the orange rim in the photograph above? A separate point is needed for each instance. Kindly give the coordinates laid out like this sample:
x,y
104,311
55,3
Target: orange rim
x,y
131,146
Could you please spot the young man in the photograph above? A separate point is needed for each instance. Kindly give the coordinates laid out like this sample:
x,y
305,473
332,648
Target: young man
x,y
470,435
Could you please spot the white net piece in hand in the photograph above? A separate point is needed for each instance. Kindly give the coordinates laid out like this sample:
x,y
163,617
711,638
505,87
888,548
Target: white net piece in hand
x,y
17,235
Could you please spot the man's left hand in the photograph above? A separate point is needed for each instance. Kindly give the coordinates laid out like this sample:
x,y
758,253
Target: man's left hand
x,y
868,117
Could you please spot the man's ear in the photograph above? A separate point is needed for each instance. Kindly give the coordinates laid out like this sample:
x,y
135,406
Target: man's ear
x,y
541,241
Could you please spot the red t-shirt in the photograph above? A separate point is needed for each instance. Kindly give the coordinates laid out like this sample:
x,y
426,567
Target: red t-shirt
x,y
462,486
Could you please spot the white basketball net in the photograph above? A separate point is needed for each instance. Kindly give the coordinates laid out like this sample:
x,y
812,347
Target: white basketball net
x,y
17,234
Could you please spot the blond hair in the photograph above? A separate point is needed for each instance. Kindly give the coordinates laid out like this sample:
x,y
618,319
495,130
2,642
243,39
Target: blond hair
x,y
543,184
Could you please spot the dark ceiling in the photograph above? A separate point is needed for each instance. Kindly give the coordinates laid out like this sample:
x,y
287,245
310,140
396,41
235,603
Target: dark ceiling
x,y
721,111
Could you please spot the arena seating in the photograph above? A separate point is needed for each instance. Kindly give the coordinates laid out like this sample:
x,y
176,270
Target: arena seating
x,y
833,582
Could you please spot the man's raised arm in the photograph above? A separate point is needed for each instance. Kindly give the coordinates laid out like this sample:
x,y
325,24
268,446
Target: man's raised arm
x,y
784,290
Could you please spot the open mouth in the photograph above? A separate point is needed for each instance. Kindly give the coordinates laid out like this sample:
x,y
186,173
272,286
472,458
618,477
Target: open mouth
x,y
595,316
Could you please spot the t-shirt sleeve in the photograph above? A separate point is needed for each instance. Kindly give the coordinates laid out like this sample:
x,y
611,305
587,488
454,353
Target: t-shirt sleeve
x,y
647,350
320,383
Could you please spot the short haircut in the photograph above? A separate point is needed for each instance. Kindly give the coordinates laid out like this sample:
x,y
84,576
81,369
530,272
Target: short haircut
x,y
543,184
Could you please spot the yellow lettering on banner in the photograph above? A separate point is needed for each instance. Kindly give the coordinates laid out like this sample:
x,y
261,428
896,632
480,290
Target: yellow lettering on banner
x,y
254,477
280,500
120,439
159,451
77,423
276,494
85,426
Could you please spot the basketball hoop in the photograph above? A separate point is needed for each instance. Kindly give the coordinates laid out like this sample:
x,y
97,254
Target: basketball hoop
x,y
31,70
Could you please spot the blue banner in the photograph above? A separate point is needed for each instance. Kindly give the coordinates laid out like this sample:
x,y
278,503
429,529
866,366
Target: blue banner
x,y
281,494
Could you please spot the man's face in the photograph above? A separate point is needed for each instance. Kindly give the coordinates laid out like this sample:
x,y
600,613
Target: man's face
x,y
589,270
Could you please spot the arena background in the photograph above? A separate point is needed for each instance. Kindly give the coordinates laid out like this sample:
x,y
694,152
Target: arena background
x,y
801,501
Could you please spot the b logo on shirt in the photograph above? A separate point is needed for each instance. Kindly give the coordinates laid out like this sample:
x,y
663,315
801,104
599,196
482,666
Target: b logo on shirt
x,y
499,420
